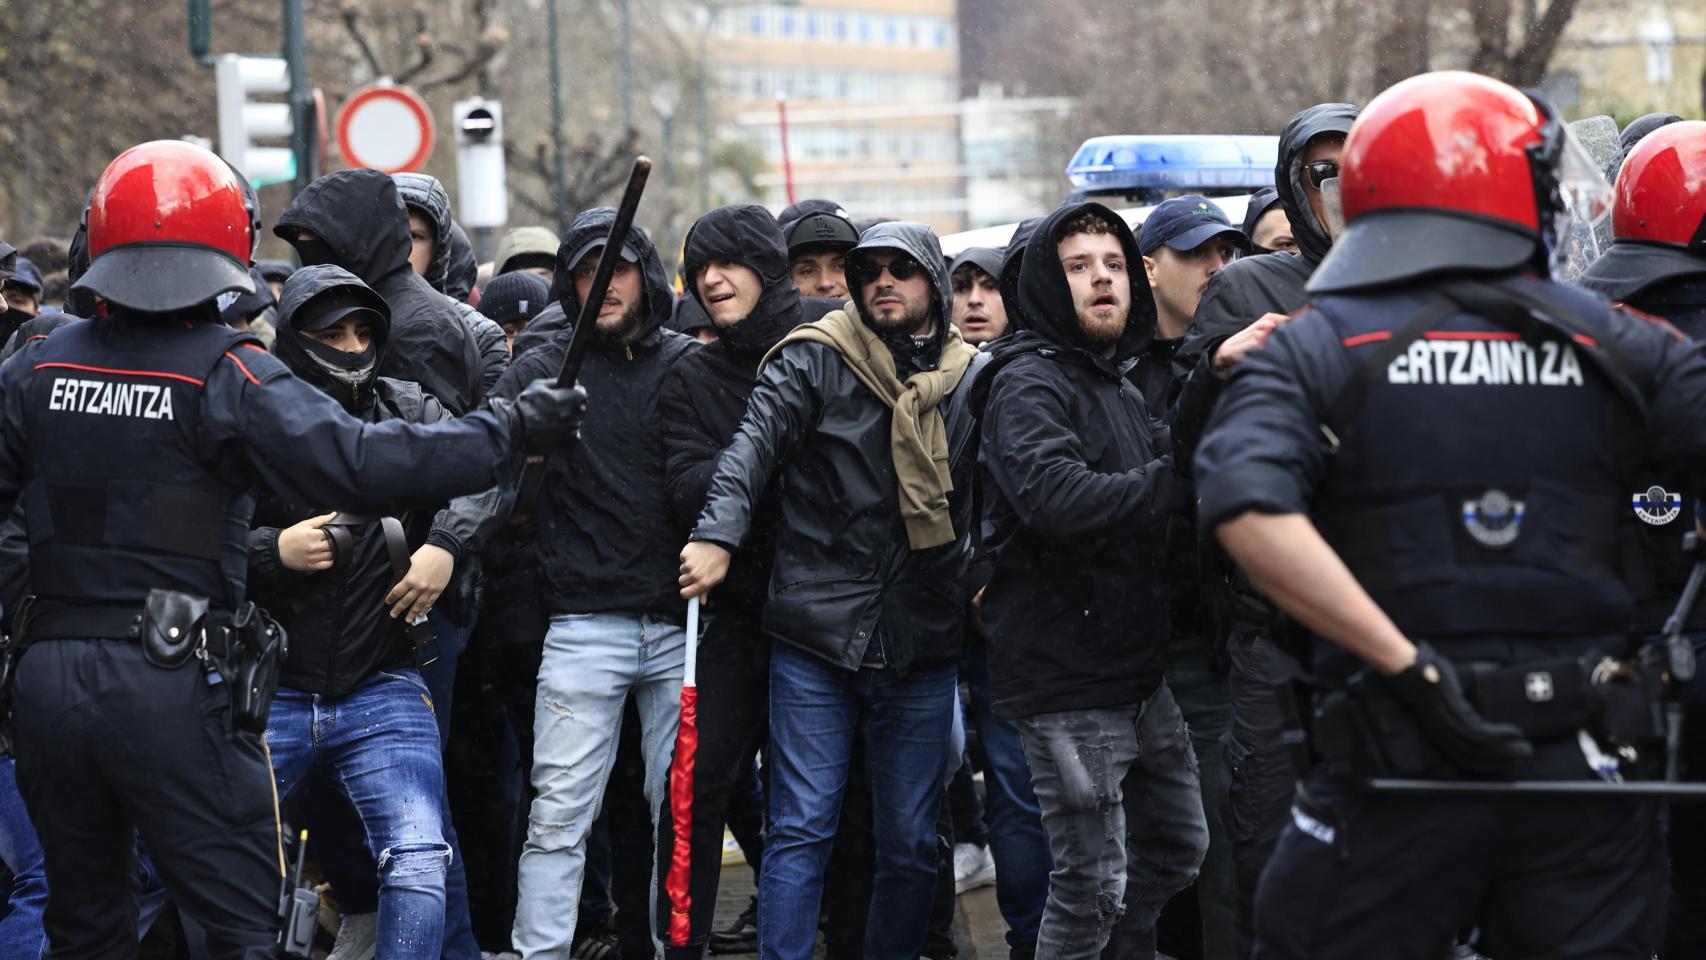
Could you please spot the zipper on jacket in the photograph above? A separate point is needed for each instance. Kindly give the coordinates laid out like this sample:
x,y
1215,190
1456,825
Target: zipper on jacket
x,y
628,349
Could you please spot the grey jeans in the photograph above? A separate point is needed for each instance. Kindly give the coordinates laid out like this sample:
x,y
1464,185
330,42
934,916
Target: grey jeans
x,y
1083,763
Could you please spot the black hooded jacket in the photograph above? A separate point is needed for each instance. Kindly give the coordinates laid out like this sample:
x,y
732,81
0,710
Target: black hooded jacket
x,y
704,395
1075,499
608,540
846,585
1236,297
362,227
452,270
340,629
1011,260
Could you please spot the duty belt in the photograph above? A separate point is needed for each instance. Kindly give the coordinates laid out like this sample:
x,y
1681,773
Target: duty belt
x,y
41,619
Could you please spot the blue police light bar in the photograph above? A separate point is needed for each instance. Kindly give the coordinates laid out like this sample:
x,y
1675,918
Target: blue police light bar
x,y
1174,162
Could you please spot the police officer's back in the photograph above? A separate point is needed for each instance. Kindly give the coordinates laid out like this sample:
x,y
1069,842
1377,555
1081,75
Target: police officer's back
x,y
1421,469
133,441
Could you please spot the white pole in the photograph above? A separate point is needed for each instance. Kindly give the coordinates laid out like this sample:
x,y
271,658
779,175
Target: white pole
x,y
690,671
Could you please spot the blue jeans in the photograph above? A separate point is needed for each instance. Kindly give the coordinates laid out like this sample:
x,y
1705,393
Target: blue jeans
x,y
592,662
1016,838
815,708
21,933
380,743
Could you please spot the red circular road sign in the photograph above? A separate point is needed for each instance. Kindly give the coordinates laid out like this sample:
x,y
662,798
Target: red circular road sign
x,y
386,128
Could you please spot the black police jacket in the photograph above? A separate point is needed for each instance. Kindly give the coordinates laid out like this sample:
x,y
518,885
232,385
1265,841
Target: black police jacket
x,y
845,578
1474,493
1668,283
125,490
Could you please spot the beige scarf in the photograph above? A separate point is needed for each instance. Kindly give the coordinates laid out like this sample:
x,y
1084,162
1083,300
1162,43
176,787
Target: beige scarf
x,y
918,440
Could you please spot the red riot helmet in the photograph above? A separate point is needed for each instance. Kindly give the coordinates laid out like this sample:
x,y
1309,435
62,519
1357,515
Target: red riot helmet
x,y
1454,172
169,227
1661,190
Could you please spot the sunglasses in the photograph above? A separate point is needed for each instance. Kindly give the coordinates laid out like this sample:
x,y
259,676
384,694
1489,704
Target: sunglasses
x,y
1320,171
902,268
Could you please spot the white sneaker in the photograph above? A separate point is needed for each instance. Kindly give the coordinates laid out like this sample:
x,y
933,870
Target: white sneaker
x,y
973,867
356,937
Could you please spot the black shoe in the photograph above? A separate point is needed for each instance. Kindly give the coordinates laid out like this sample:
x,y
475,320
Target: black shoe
x,y
599,946
740,936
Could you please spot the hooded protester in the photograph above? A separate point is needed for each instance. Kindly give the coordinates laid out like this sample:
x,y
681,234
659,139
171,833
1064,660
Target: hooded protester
x,y
527,248
355,219
275,272
818,242
1011,263
979,310
736,265
606,540
1241,306
1076,497
448,265
1266,224
348,612
861,421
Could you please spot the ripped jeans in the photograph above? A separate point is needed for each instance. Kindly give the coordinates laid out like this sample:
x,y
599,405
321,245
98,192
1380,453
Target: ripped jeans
x,y
1088,768
380,743
593,662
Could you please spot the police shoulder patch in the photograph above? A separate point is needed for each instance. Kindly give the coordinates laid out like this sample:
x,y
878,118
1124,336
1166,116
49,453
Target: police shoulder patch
x,y
1657,506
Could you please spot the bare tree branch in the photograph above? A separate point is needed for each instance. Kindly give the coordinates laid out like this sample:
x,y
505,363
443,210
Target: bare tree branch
x,y
351,15
425,47
1528,64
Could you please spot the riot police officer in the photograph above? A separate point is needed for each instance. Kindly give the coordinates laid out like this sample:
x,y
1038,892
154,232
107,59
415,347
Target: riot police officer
x,y
133,441
1657,264
1422,468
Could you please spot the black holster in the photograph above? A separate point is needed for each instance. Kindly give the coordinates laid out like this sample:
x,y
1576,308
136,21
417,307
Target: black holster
x,y
254,649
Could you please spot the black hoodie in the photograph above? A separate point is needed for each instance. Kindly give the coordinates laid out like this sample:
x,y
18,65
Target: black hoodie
x,y
452,270
340,628
1075,499
608,541
362,226
704,395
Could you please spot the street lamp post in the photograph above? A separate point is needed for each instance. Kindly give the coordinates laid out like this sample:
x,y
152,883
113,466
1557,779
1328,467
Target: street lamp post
x,y
559,188
665,97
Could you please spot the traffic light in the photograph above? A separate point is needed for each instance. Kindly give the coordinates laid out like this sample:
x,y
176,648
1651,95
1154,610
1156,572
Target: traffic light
x,y
243,120
480,163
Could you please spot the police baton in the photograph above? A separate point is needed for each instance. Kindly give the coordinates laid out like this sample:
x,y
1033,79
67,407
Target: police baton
x,y
580,338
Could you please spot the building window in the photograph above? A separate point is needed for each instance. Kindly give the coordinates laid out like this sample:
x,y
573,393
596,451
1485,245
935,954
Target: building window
x,y
866,29
838,27
787,25
891,32
755,23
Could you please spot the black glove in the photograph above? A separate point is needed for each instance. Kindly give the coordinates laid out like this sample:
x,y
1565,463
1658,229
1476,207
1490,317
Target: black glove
x,y
548,416
1430,689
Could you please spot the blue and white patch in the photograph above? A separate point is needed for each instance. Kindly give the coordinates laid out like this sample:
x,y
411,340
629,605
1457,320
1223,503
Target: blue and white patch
x,y
1494,520
1657,506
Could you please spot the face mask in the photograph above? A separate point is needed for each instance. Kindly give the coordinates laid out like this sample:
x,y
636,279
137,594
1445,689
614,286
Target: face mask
x,y
350,369
314,252
14,318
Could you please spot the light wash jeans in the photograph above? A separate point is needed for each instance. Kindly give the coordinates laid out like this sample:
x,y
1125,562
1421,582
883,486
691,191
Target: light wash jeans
x,y
592,662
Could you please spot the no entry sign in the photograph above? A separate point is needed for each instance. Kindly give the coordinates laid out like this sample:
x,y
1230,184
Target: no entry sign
x,y
387,128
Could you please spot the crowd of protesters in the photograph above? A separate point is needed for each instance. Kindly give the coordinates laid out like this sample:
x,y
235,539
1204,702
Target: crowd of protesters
x,y
960,626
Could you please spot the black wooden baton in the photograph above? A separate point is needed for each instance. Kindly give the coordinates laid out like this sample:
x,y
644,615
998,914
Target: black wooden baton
x,y
580,338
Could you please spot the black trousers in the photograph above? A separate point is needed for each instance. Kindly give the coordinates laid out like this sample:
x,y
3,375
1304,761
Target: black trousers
x,y
1359,876
110,747
734,703
1259,769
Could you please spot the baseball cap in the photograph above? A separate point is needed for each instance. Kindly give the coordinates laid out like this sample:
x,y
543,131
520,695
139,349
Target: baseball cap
x,y
24,275
628,252
815,229
1186,223
337,302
